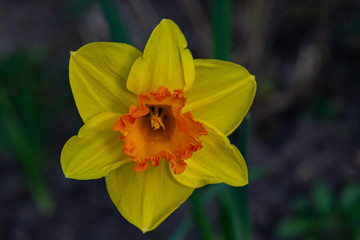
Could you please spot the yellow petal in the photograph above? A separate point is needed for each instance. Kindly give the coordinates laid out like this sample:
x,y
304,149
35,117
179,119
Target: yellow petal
x,y
98,73
218,161
166,61
221,94
146,198
95,151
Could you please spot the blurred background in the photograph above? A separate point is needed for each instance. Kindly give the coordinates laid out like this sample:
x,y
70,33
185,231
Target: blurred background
x,y
304,149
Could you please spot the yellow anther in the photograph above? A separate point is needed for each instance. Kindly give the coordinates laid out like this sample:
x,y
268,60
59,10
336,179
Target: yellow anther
x,y
156,122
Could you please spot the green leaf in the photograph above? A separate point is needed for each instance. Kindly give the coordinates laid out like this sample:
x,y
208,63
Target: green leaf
x,y
293,228
221,28
199,214
323,198
117,29
230,218
301,205
183,229
350,196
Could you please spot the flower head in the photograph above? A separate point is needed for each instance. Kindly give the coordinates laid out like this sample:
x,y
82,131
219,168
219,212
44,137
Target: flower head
x,y
155,123
158,129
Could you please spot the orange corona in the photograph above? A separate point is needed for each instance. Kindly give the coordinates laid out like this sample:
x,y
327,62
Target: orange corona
x,y
157,129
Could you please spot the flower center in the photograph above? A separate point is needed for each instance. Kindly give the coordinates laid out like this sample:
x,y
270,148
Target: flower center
x,y
158,116
156,122
157,129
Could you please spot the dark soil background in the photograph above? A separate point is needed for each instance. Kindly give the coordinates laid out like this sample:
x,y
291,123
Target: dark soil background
x,y
305,118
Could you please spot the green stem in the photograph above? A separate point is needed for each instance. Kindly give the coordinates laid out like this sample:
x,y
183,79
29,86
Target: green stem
x,y
181,231
27,157
117,30
221,28
244,133
241,194
200,216
208,194
229,215
234,203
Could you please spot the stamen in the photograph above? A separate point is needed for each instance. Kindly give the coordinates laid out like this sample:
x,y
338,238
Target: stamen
x,y
156,122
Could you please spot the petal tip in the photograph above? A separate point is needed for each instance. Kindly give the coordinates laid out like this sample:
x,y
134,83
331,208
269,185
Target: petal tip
x,y
166,20
67,176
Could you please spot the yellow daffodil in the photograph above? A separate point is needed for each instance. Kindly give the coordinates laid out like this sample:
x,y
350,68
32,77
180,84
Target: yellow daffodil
x,y
155,123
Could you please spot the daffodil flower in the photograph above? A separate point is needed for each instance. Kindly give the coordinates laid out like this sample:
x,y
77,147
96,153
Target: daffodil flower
x,y
155,123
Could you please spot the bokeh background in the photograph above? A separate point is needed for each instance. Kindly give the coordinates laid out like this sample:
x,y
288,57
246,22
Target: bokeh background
x,y
304,148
